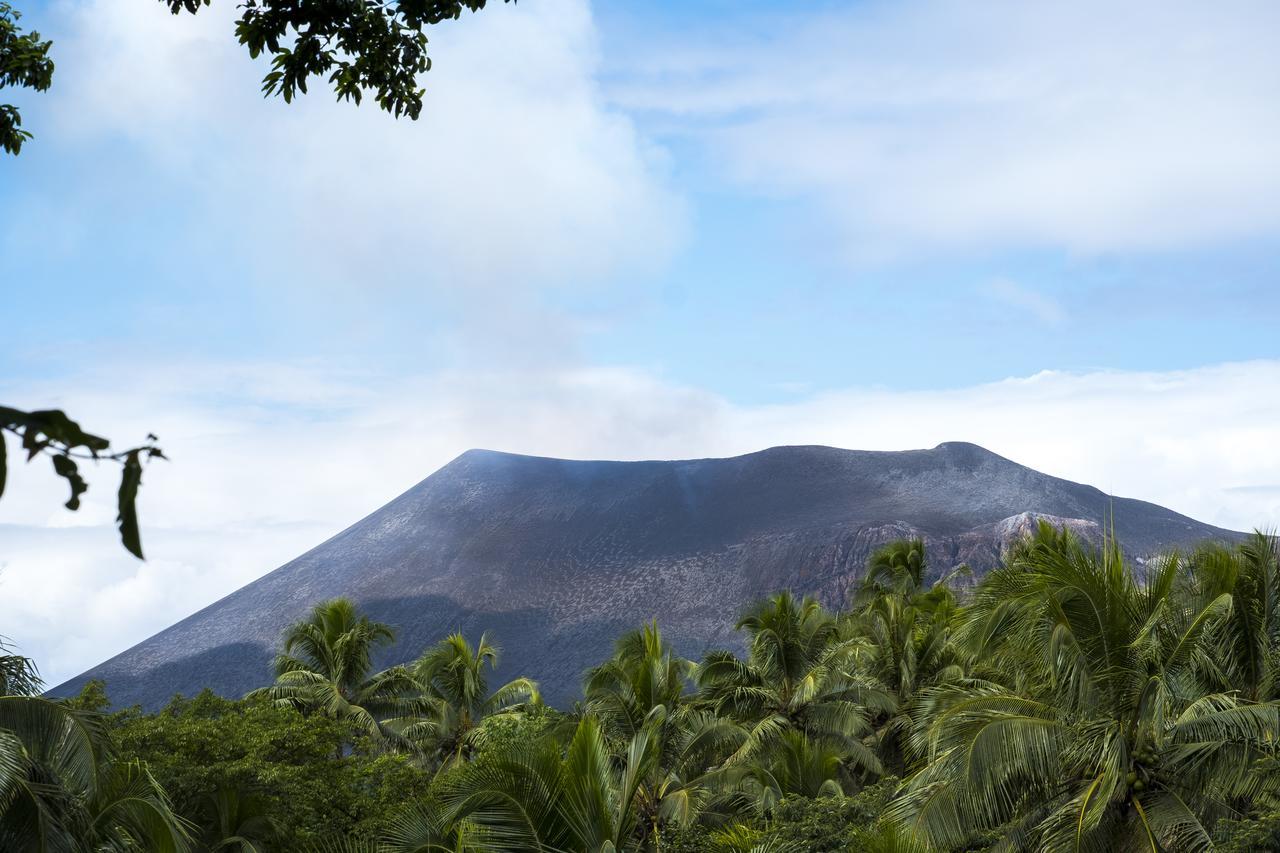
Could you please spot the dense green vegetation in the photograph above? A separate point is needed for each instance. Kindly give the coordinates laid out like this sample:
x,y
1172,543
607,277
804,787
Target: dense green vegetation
x,y
1067,701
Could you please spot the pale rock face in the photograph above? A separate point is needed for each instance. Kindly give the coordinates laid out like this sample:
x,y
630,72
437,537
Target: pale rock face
x,y
555,557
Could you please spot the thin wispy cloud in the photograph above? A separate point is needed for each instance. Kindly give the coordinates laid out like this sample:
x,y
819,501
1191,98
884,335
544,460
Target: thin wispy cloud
x,y
945,125
1040,306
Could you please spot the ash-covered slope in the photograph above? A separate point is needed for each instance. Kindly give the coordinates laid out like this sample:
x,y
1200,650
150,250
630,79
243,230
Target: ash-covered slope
x,y
556,557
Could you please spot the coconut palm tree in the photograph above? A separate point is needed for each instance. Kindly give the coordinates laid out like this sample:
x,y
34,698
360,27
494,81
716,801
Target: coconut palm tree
x,y
1243,647
644,673
61,789
18,674
897,567
129,811
740,838
688,778
326,666
539,798
799,675
793,766
644,687
906,632
447,719
236,821
545,796
1111,744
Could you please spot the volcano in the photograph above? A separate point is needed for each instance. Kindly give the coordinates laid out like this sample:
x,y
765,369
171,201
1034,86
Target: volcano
x,y
554,557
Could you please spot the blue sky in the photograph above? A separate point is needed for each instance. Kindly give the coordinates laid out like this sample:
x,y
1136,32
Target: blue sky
x,y
755,277
630,231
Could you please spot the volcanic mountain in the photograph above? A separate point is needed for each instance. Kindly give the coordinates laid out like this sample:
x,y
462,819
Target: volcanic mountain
x,y
554,558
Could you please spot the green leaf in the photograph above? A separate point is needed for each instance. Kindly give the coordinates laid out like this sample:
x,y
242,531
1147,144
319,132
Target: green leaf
x,y
65,467
127,516
60,429
31,444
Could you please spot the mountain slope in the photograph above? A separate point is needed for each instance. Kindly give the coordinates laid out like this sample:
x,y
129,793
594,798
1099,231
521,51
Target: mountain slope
x,y
556,557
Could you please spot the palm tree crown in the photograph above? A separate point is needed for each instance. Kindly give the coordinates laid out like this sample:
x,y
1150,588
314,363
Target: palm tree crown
x,y
326,666
799,675
454,698
1111,742
644,673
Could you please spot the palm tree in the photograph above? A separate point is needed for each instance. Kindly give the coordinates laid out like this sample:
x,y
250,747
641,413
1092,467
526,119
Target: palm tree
x,y
741,838
128,810
423,828
897,567
236,821
644,673
537,799
793,766
61,789
326,666
798,676
447,721
1111,744
644,687
906,629
1243,647
18,674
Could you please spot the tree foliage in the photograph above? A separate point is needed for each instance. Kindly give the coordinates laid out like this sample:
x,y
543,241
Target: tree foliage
x,y
50,433
446,720
356,47
799,676
1070,701
18,674
64,788
1115,741
24,63
267,773
326,667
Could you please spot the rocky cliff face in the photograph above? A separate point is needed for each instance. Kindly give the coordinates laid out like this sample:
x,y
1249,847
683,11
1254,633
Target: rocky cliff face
x,y
556,557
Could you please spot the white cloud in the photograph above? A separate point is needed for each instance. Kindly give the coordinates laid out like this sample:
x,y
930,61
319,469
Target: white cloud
x,y
268,460
517,175
1088,126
